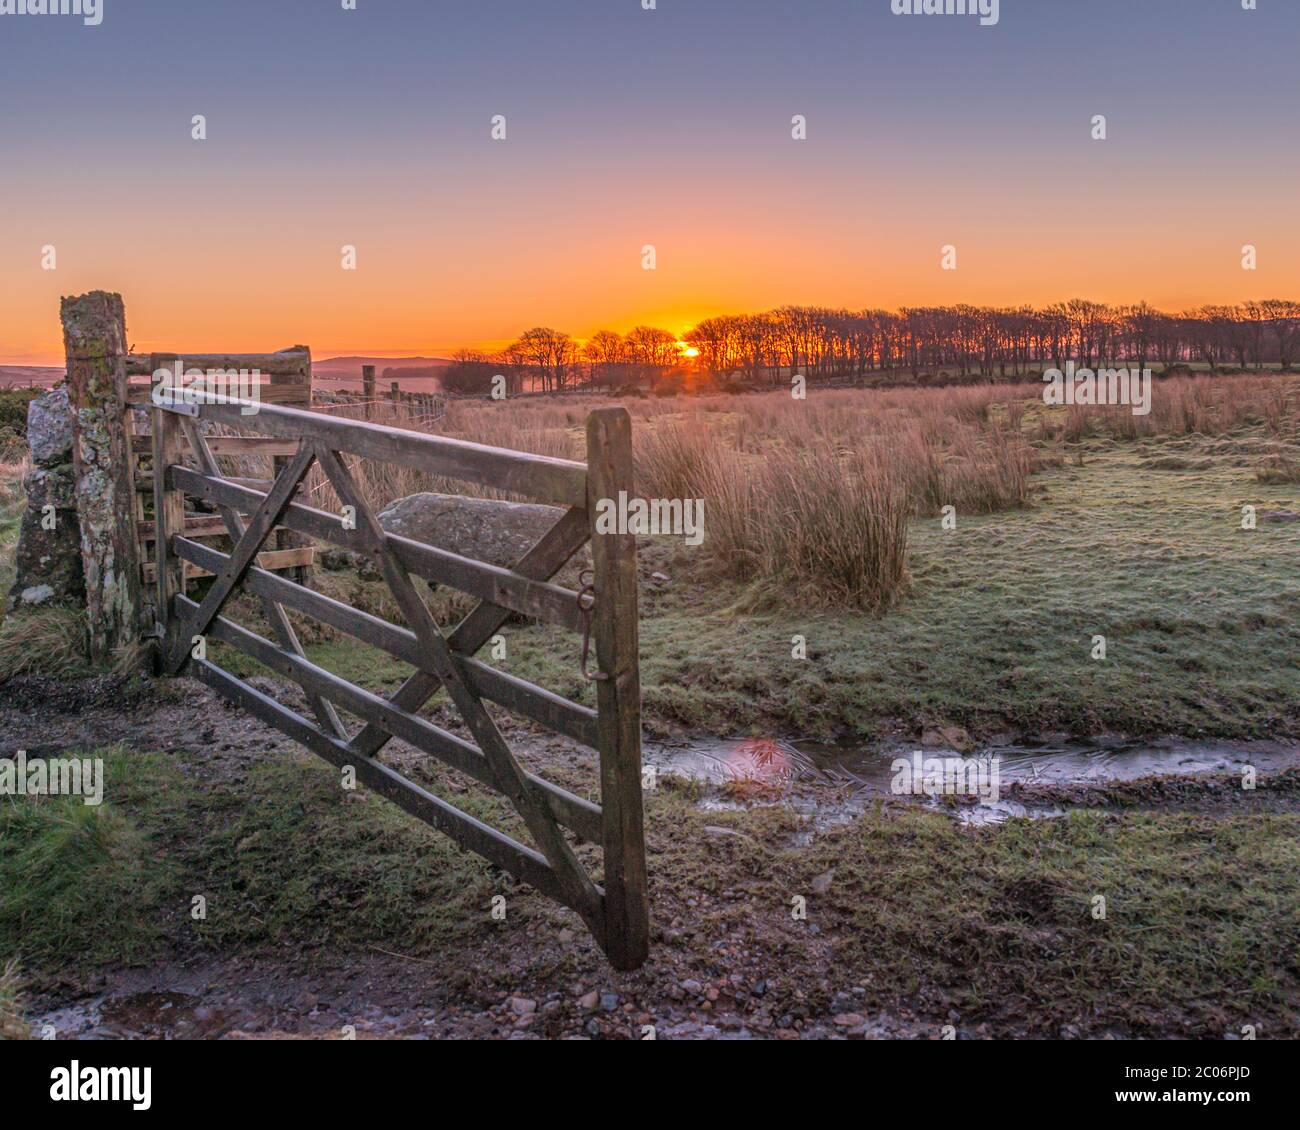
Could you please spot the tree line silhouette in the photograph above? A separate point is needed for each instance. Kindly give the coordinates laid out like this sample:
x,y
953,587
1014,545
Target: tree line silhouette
x,y
823,343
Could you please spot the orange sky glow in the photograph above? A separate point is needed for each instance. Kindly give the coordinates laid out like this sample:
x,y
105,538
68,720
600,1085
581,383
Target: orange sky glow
x,y
627,129
427,298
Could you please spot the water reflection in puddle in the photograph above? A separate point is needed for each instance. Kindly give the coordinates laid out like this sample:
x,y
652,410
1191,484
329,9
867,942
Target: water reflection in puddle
x,y
846,777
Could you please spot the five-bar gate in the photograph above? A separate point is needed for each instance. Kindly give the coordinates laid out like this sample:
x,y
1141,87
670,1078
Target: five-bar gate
x,y
616,911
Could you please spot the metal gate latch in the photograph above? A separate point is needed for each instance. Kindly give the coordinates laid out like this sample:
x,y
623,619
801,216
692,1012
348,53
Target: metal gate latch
x,y
586,602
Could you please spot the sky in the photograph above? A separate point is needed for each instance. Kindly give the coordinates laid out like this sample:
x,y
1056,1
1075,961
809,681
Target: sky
x,y
625,128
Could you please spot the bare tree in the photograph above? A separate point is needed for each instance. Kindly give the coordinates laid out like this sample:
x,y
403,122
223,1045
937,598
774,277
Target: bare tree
x,y
1284,316
608,354
970,342
720,342
548,355
651,352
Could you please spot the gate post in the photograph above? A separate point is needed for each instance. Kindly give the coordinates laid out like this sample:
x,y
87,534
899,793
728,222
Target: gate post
x,y
285,538
94,339
618,693
169,519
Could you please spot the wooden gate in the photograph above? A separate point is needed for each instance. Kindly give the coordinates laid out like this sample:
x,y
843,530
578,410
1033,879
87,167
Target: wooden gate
x,y
289,381
616,912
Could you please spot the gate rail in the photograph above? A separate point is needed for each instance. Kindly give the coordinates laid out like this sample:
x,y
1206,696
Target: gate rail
x,y
616,912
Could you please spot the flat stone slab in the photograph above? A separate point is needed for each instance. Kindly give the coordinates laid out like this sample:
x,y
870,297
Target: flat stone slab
x,y
499,533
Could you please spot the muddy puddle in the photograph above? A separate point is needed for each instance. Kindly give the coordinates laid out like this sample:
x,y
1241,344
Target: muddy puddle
x,y
155,1015
832,783
213,1012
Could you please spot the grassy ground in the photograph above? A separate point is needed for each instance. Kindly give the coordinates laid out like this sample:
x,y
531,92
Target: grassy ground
x,y
1138,541
88,880
12,502
12,1024
905,907
1199,617
280,856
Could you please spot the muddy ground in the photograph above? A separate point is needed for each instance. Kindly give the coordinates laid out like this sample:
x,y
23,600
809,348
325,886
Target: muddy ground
x,y
716,969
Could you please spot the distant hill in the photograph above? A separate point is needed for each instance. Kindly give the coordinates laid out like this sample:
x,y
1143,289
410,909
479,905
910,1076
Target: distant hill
x,y
341,372
350,367
24,375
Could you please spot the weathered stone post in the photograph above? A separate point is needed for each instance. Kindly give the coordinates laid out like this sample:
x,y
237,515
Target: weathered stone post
x,y
94,339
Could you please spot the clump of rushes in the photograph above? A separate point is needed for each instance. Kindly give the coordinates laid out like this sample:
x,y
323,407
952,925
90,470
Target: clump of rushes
x,y
833,528
807,492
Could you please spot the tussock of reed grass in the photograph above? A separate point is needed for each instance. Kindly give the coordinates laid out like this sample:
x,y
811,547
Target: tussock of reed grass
x,y
831,528
809,499
1185,406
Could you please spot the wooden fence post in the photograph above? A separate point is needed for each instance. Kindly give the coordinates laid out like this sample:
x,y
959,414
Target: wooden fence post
x,y
169,519
618,693
287,538
368,387
284,538
94,339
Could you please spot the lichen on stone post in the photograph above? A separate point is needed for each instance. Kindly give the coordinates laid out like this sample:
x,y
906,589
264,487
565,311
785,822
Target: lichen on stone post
x,y
94,338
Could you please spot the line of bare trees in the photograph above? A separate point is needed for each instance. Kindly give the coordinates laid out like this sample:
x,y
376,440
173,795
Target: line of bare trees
x,y
825,343
547,360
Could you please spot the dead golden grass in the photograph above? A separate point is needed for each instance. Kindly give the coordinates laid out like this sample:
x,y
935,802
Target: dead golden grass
x,y
1198,405
43,641
814,494
1278,470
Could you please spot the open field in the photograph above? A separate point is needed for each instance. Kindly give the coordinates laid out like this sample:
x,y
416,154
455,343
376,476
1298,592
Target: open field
x,y
328,908
823,521
1068,526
